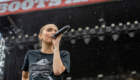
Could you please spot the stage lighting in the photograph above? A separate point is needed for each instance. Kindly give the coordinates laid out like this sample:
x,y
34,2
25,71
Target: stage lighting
x,y
117,29
25,39
103,26
10,32
72,30
108,29
87,39
87,28
69,34
35,37
35,34
68,78
84,32
78,33
112,25
12,40
13,37
115,37
133,72
73,41
132,27
100,75
128,23
19,40
124,28
26,36
101,34
6,40
79,29
120,24
101,37
96,27
19,36
92,31
136,23
72,33
131,32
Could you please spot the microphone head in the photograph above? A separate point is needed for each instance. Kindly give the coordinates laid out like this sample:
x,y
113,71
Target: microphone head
x,y
68,26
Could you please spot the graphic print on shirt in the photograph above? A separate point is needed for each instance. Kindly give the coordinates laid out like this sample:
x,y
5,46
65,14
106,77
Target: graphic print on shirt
x,y
43,68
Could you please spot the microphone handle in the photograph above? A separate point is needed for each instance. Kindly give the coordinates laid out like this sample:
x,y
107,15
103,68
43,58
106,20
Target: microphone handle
x,y
61,31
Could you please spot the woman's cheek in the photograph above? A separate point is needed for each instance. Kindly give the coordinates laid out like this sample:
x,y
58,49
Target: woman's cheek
x,y
46,35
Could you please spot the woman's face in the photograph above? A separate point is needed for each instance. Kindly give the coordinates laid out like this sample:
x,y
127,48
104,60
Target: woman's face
x,y
47,33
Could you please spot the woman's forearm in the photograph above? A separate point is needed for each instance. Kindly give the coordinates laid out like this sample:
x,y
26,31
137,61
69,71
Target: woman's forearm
x,y
25,75
57,63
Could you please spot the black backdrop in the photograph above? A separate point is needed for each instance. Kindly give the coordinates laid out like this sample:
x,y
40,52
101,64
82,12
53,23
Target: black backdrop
x,y
98,57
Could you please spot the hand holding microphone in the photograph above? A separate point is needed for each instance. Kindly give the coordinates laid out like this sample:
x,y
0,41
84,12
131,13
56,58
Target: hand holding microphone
x,y
57,36
61,31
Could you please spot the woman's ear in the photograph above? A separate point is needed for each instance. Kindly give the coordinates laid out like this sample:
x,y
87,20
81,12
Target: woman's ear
x,y
40,36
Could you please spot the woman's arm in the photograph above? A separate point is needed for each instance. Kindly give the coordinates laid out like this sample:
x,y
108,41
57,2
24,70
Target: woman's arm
x,y
58,66
25,75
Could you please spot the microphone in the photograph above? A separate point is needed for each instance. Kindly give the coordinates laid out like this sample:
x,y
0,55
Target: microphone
x,y
61,31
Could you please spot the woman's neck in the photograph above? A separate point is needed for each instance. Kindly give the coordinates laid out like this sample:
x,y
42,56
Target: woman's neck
x,y
48,49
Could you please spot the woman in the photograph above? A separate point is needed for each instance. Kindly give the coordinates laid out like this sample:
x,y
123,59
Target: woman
x,y
47,63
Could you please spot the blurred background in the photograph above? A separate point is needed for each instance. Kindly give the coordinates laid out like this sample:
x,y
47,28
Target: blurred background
x,y
103,42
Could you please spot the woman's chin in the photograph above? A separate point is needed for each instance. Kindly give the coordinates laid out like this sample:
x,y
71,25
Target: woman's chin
x,y
49,43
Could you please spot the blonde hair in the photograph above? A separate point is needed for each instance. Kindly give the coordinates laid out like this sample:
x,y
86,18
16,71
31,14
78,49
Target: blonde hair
x,y
41,30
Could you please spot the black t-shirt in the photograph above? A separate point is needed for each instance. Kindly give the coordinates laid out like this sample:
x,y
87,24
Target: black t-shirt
x,y
39,65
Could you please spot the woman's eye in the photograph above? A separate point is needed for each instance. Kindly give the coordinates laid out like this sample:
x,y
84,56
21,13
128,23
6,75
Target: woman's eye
x,y
48,30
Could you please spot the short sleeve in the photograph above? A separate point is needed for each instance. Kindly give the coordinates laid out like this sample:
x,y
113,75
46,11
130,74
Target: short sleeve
x,y
65,57
26,63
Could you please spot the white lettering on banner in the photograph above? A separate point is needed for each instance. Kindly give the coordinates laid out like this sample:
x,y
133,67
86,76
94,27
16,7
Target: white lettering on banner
x,y
54,2
85,0
75,1
27,4
11,7
67,1
3,7
41,3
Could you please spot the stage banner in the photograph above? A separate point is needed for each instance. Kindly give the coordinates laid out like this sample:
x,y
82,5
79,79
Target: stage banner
x,y
20,6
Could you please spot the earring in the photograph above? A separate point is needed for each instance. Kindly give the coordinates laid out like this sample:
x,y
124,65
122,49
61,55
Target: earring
x,y
41,39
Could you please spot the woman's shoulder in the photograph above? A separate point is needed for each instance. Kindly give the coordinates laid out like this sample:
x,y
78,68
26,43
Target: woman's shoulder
x,y
64,52
32,51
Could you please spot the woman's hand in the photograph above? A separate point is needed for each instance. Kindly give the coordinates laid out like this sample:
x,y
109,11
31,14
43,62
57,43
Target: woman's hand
x,y
56,41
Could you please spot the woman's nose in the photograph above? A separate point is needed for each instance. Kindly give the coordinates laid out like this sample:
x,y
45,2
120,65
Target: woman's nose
x,y
54,32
